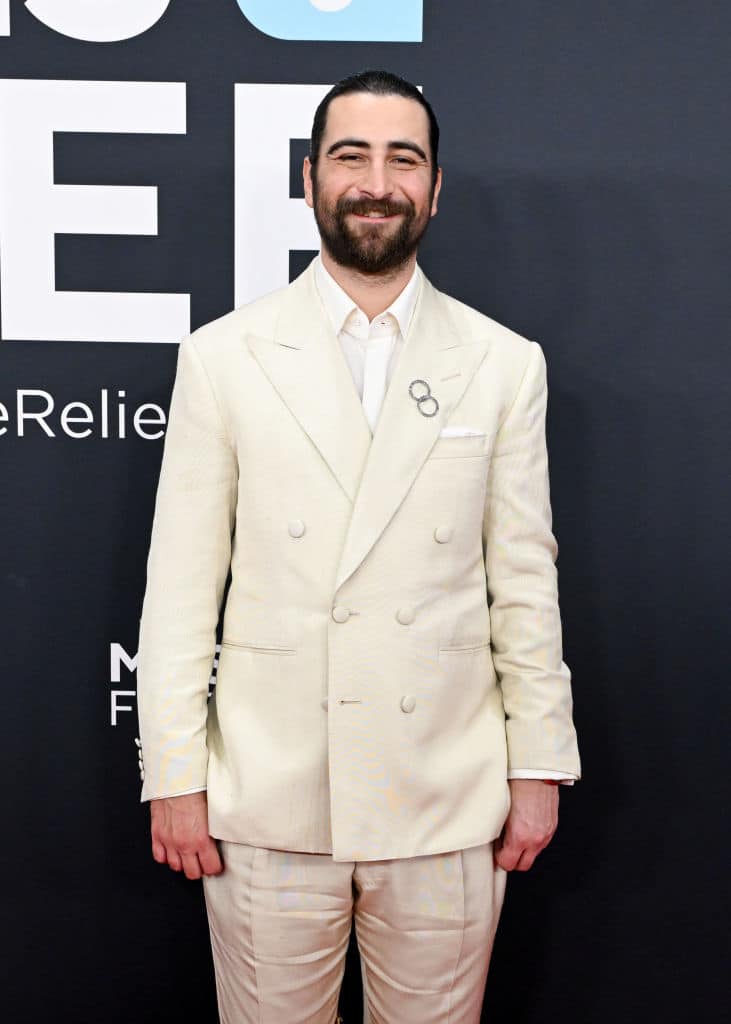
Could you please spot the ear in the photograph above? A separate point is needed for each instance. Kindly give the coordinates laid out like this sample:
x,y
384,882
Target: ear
x,y
307,179
437,190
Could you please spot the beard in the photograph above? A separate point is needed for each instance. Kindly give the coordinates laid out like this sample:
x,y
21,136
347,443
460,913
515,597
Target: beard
x,y
370,250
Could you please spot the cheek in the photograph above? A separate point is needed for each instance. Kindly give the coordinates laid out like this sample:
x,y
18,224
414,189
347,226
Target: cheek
x,y
420,196
337,182
330,194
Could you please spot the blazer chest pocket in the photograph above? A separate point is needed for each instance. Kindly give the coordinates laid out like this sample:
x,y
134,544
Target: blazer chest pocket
x,y
469,446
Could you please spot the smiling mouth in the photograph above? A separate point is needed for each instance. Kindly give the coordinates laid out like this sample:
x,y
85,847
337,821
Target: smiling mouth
x,y
376,216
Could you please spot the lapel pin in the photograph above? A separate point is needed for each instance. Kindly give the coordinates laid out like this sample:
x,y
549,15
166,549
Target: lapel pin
x,y
425,396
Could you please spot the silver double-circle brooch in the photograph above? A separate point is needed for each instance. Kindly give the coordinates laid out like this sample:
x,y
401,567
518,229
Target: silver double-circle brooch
x,y
423,398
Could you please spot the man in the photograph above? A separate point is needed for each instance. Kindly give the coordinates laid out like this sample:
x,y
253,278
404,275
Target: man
x,y
368,458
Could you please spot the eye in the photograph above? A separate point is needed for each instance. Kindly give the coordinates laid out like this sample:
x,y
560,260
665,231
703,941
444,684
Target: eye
x,y
351,158
407,161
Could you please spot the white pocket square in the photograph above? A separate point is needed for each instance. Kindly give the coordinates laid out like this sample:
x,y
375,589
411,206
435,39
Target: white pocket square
x,y
461,432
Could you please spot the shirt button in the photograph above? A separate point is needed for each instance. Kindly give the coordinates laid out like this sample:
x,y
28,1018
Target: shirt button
x,y
406,615
408,704
442,534
340,613
296,527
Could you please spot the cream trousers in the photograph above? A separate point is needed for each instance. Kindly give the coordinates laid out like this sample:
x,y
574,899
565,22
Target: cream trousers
x,y
280,925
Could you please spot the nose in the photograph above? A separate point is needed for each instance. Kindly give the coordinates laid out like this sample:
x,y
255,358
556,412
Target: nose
x,y
376,182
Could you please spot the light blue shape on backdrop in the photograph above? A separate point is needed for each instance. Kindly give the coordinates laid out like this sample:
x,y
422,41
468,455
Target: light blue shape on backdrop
x,y
391,21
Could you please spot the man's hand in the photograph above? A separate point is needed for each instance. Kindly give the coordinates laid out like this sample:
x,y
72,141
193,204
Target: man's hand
x,y
530,824
179,826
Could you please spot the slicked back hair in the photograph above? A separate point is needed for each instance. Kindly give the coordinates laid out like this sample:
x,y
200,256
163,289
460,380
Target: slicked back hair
x,y
378,83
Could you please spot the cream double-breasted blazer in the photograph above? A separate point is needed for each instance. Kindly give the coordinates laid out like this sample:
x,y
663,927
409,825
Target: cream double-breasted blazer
x,y
391,635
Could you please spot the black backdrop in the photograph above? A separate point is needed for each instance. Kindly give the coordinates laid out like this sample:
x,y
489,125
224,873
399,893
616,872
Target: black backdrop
x,y
586,158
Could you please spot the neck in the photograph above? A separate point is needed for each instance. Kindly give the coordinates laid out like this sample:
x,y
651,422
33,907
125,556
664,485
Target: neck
x,y
372,292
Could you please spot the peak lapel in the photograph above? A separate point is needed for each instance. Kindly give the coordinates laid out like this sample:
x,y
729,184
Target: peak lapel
x,y
435,353
306,365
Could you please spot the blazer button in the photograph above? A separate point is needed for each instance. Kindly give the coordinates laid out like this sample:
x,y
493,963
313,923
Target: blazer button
x,y
406,615
442,534
340,613
408,704
296,527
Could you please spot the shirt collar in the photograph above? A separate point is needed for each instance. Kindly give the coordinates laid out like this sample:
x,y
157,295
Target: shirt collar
x,y
339,305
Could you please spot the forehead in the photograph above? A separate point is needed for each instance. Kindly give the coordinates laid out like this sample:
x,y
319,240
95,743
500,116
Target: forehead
x,y
376,119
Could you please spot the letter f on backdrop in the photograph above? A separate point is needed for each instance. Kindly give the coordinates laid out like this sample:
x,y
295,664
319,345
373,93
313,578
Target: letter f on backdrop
x,y
357,21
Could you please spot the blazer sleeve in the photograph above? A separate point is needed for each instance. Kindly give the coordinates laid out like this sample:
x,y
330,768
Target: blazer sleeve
x,y
522,588
187,568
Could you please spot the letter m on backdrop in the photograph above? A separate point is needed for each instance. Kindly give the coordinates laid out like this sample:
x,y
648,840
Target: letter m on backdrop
x,y
358,21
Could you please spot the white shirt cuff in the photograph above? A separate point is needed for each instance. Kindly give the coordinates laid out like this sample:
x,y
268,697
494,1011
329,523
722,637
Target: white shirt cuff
x,y
547,773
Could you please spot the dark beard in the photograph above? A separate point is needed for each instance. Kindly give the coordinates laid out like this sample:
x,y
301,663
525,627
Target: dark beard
x,y
370,251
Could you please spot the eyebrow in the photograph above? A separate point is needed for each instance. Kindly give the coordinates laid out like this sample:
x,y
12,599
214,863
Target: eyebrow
x,y
362,144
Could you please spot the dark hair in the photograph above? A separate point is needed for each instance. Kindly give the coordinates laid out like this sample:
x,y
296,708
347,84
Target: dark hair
x,y
379,83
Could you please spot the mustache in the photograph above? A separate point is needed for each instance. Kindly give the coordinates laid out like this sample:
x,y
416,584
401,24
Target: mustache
x,y
385,207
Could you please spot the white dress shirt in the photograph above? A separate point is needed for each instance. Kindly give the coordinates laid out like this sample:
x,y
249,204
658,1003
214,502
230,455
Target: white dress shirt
x,y
371,350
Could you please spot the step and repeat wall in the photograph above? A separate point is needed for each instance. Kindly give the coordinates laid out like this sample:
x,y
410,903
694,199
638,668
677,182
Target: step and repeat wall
x,y
150,180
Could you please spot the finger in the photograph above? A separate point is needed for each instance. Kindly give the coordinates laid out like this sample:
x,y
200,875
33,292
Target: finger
x,y
173,858
508,856
191,866
525,861
210,859
158,851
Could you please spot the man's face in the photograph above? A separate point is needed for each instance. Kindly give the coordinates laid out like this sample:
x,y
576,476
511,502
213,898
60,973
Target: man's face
x,y
371,190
